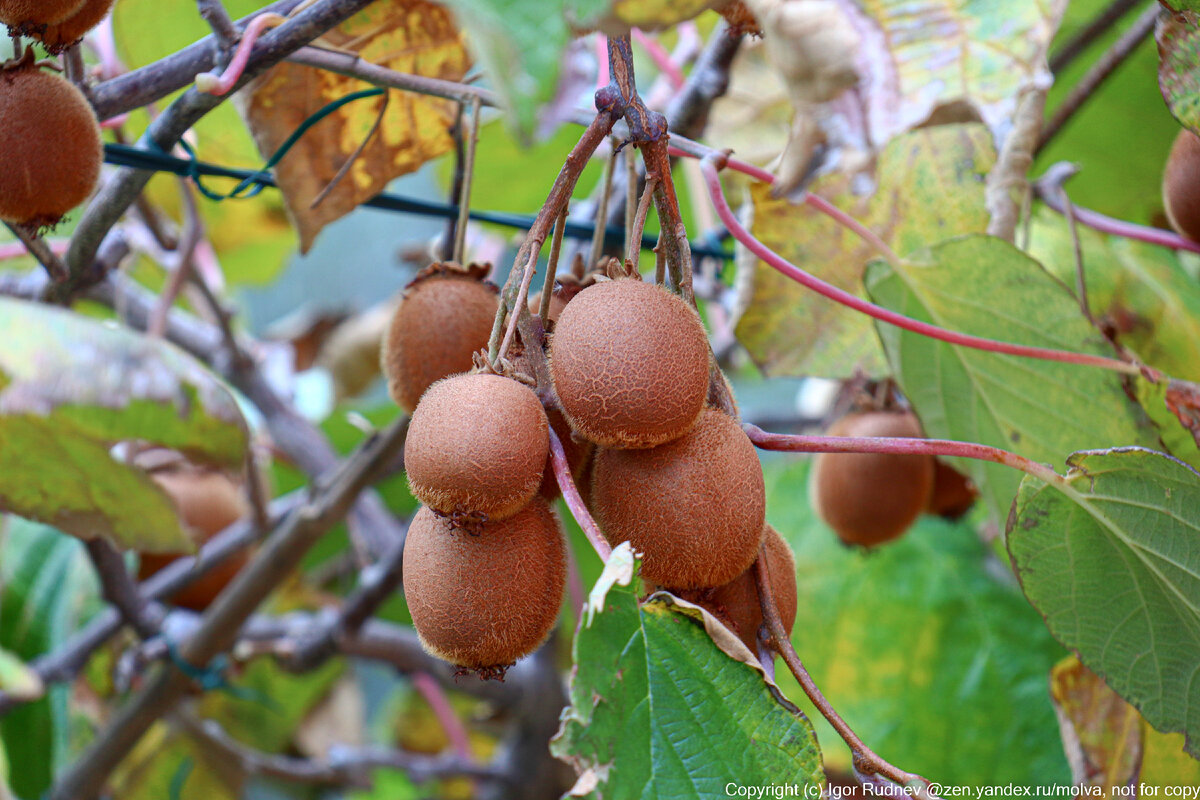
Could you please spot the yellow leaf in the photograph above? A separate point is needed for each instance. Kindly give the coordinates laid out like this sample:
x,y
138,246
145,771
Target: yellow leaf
x,y
410,36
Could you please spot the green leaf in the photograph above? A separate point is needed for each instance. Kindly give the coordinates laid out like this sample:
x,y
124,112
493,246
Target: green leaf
x,y
17,679
1178,37
520,45
70,388
925,646
1110,556
1144,292
615,16
657,710
1038,409
1182,5
929,185
47,591
1176,439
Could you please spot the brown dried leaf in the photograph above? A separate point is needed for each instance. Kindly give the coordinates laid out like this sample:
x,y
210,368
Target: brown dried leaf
x,y
1102,734
411,36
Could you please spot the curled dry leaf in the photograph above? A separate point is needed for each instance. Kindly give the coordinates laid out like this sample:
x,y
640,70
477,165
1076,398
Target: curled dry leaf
x,y
410,36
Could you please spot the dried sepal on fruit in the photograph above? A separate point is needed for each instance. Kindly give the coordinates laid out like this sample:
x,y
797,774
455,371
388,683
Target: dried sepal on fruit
x,y
737,604
1181,185
444,317
694,508
477,447
872,498
24,17
50,147
483,600
629,361
59,36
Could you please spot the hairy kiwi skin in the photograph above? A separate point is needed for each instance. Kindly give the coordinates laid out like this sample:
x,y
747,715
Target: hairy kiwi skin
x,y
23,16
1181,185
736,603
485,600
629,362
50,147
60,36
872,498
694,508
444,318
477,445
208,502
953,493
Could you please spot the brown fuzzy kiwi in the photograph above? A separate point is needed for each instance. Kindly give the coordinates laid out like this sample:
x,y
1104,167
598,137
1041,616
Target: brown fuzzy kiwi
x,y
1181,185
445,316
477,447
693,507
736,603
953,493
208,502
60,36
484,600
26,16
871,498
564,291
629,362
50,148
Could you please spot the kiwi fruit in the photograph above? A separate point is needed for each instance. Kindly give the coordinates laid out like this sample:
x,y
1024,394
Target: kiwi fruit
x,y
444,317
50,147
953,493
482,601
208,502
477,447
1181,185
693,507
736,603
25,16
59,36
872,498
629,361
562,294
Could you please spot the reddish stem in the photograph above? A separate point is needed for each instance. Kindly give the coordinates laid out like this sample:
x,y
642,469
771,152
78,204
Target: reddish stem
x,y
782,265
602,75
661,58
570,493
865,759
211,83
791,443
456,732
1119,227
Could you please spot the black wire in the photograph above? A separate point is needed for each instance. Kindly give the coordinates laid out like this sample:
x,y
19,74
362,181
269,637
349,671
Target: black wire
x,y
121,155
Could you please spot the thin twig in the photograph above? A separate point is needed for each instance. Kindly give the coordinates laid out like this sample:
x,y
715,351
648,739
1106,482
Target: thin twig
x,y
1081,291
552,267
213,12
468,178
36,246
606,187
631,201
1113,57
120,590
193,232
212,83
865,760
639,221
357,154
1089,33
345,766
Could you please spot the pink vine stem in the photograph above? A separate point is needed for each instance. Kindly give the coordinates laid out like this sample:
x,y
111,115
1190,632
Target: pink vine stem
x,y
456,732
602,76
1119,227
717,195
570,493
211,83
790,443
661,58
11,250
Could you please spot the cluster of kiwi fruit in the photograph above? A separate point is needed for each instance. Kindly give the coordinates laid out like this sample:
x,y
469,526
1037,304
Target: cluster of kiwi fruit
x,y
50,146
869,499
658,466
